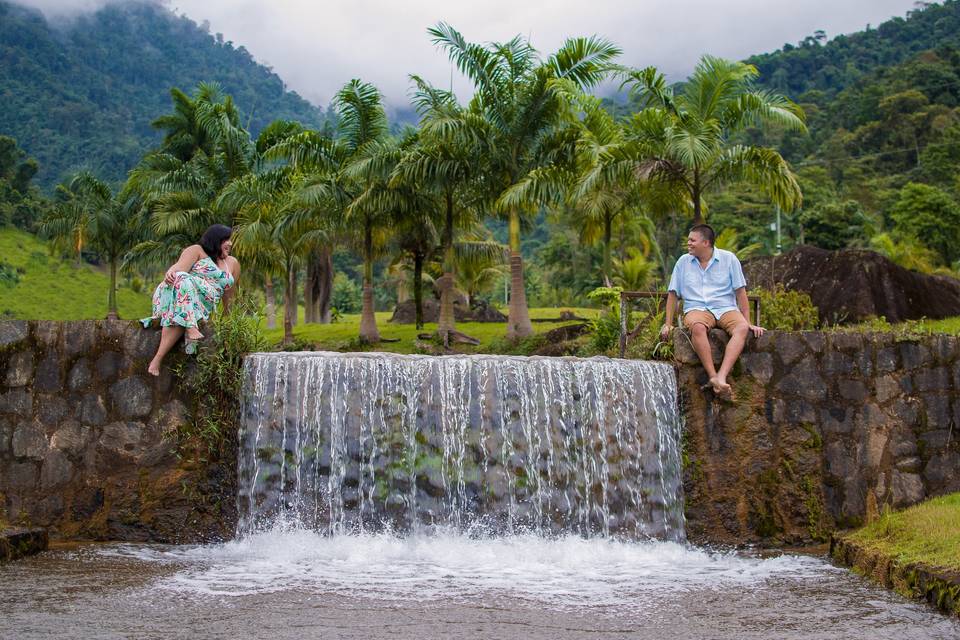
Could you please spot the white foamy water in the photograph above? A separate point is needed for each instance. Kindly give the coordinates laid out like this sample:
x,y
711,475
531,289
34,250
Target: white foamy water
x,y
562,572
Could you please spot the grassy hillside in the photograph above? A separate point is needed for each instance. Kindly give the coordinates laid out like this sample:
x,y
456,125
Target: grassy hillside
x,y
37,285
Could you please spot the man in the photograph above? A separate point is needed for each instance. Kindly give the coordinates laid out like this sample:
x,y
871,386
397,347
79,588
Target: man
x,y
714,292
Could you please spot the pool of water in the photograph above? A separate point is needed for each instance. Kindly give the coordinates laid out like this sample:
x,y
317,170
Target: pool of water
x,y
296,584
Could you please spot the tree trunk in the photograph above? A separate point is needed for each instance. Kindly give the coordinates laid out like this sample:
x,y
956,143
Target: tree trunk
x,y
311,312
447,322
112,296
324,285
289,304
368,320
418,287
695,197
518,320
271,298
607,239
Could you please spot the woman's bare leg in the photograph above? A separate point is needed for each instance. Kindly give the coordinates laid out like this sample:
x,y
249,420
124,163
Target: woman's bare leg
x,y
168,338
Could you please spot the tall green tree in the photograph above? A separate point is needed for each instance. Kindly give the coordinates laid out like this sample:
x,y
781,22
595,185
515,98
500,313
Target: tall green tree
x,y
107,221
687,138
521,124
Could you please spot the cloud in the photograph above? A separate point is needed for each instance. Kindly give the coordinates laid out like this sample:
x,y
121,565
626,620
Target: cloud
x,y
316,47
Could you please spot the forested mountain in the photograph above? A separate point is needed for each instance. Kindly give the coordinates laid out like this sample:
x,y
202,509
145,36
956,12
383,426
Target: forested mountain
x,y
816,63
82,94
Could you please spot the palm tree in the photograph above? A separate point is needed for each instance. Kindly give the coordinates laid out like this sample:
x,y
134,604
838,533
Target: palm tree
x,y
521,123
108,221
685,139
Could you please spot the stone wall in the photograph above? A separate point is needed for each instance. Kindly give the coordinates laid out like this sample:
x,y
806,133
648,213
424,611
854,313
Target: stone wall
x,y
86,438
826,429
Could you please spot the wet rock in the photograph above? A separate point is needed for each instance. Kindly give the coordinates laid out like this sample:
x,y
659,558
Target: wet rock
x,y
131,397
20,369
17,401
57,470
29,441
49,376
80,375
72,437
124,438
12,332
906,489
92,410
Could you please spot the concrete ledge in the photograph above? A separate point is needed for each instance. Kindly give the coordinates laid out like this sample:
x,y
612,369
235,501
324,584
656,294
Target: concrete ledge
x,y
939,587
17,543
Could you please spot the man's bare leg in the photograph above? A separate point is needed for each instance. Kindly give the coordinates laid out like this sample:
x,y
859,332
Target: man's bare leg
x,y
738,338
701,344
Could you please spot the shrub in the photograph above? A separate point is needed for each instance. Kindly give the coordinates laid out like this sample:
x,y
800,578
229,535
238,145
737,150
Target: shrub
x,y
786,310
216,379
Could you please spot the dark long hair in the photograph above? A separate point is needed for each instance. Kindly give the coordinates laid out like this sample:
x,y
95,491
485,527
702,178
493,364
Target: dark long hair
x,y
212,239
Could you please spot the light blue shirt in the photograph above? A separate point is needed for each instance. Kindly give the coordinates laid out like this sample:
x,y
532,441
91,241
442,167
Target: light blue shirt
x,y
712,289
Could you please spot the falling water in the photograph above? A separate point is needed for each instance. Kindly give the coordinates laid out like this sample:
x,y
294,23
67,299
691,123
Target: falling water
x,y
350,443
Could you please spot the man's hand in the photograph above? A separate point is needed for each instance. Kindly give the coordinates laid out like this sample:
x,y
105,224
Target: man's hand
x,y
757,330
665,332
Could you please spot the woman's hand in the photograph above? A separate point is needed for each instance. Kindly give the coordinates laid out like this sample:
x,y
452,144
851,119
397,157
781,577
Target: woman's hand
x,y
171,275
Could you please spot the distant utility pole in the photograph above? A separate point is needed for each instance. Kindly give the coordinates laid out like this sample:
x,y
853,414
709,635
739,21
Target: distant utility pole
x,y
775,226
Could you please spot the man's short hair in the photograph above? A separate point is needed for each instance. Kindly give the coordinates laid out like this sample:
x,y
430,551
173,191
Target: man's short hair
x,y
706,232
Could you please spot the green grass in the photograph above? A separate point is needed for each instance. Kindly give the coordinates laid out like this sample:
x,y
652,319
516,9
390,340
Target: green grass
x,y
49,288
342,335
908,329
928,533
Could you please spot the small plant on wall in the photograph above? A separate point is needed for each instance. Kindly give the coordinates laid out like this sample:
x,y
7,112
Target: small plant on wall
x,y
215,380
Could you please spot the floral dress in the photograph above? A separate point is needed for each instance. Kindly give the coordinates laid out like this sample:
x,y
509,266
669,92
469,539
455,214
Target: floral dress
x,y
192,296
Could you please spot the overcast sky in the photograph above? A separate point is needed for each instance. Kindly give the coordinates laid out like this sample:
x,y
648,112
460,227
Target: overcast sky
x,y
317,46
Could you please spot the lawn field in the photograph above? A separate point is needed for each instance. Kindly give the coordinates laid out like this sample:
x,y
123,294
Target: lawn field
x,y
342,335
35,285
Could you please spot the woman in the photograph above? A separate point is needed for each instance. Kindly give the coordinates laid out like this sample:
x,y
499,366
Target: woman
x,y
190,290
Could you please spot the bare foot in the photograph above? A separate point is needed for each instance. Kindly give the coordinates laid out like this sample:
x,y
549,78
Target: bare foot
x,y
194,334
154,368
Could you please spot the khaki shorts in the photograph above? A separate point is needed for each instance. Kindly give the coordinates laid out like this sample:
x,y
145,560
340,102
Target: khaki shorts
x,y
728,321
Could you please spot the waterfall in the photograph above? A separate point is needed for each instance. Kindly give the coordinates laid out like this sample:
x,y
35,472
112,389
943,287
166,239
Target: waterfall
x,y
358,442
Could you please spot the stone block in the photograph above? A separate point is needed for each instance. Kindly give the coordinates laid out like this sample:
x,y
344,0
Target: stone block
x,y
836,421
18,402
51,409
72,437
902,446
906,489
80,375
47,333
111,332
815,340
886,388
758,366
935,441
124,438
906,411
6,434
886,360
864,360
29,441
848,341
171,416
852,390
131,397
836,364
766,342
49,376
56,470
800,411
79,338
932,379
92,410
872,450
109,365
839,462
22,476
803,379
943,348
139,343
791,347
20,369
909,465
942,472
936,411
13,331
914,355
